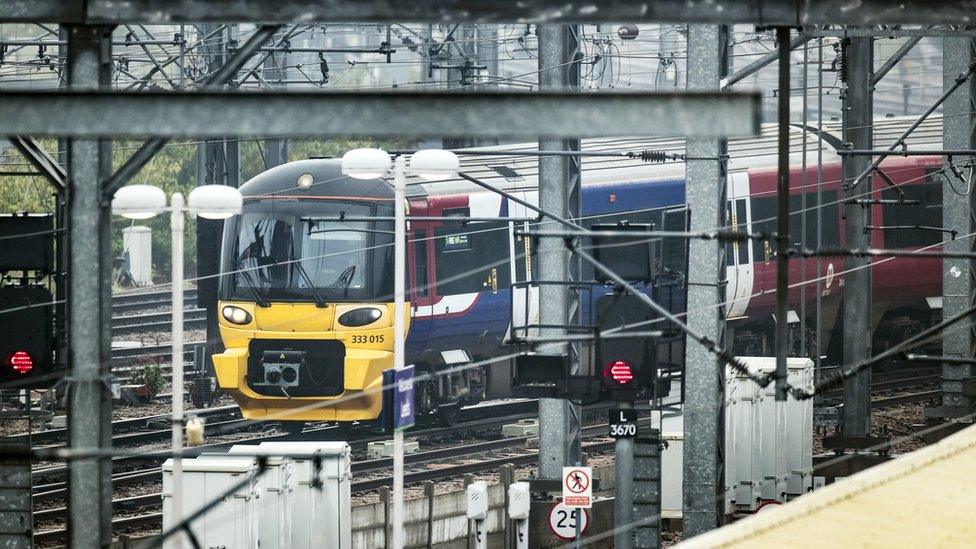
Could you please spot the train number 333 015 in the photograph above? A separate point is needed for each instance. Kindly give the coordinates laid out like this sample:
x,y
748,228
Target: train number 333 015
x,y
367,339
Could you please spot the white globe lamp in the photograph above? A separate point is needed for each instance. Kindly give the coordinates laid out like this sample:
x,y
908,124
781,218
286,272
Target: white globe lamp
x,y
215,201
139,201
434,164
366,163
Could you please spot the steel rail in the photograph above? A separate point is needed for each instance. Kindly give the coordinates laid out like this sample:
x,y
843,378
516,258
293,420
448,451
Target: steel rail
x,y
412,477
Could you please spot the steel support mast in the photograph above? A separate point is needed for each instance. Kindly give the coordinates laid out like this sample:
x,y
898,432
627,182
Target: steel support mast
x,y
957,213
275,148
89,303
559,193
857,120
704,376
783,213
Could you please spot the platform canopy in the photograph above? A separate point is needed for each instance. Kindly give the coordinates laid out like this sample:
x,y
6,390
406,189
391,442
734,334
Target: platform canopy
x,y
922,499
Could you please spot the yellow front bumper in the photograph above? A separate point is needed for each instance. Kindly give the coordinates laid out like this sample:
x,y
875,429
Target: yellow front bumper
x,y
362,398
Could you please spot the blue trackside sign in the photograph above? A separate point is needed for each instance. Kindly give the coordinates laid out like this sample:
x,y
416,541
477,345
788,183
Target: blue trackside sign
x,y
403,415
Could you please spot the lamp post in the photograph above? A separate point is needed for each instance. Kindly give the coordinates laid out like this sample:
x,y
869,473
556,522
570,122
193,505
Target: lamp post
x,y
431,164
144,202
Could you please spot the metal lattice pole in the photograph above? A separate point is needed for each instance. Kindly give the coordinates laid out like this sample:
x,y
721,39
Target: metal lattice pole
x,y
957,213
703,377
90,399
857,130
559,438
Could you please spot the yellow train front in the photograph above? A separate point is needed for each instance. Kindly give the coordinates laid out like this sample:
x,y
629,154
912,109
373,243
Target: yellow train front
x,y
305,295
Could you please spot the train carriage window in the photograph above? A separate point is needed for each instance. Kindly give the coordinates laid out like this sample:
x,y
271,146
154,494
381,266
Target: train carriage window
x,y
674,251
420,259
456,212
829,220
742,221
928,213
523,255
468,253
729,246
764,221
764,212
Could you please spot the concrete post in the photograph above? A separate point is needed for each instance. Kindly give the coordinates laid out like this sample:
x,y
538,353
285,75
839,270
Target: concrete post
x,y
705,193
647,490
957,212
16,505
623,489
857,129
559,420
89,306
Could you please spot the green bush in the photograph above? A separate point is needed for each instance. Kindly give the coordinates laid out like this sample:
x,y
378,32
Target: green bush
x,y
150,375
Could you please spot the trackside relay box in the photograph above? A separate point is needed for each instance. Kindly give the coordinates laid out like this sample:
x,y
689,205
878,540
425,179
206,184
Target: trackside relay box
x,y
478,500
302,500
519,500
233,522
274,498
322,503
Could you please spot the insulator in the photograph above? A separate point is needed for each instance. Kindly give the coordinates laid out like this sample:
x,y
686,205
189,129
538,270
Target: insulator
x,y
844,62
323,67
653,156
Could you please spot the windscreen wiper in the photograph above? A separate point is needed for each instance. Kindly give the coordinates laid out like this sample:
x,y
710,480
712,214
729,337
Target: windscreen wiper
x,y
258,298
319,300
345,280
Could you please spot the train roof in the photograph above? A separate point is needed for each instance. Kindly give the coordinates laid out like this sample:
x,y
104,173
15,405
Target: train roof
x,y
328,181
514,173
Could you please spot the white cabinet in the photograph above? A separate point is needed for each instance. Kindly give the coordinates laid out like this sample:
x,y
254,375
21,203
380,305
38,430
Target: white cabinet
x,y
274,498
769,443
799,431
743,454
321,498
137,242
232,523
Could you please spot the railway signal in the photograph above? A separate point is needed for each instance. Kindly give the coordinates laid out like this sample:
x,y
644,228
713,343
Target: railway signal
x,y
26,337
627,365
27,342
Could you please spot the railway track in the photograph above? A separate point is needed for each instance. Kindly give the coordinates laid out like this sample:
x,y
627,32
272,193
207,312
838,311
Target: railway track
x,y
471,458
129,356
132,301
155,428
916,381
907,398
161,321
476,417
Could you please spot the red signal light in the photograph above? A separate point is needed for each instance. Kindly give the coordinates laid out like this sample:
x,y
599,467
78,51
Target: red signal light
x,y
20,362
618,372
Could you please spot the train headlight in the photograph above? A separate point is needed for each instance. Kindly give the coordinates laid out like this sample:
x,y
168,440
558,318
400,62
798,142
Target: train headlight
x,y
305,181
360,317
235,315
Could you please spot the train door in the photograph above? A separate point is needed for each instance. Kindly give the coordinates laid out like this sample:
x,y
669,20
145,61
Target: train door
x,y
420,284
525,298
473,278
739,258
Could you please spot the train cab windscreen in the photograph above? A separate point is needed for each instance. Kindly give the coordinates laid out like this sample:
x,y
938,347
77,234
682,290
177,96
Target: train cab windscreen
x,y
292,251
